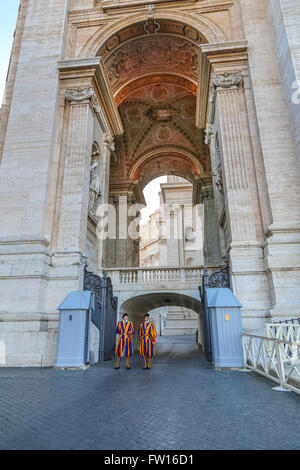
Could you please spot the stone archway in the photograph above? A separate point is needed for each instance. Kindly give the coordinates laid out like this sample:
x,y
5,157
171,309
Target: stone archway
x,y
138,305
153,67
204,26
234,154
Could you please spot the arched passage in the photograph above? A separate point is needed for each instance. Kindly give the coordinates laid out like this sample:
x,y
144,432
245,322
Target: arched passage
x,y
138,305
152,67
207,28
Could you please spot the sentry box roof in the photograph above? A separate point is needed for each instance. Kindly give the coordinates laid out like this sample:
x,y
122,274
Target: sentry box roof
x,y
222,297
76,300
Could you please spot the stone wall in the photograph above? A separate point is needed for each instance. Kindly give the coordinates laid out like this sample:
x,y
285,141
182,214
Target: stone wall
x,y
46,142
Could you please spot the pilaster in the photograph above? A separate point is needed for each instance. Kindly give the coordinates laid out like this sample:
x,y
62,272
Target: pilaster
x,y
224,113
211,248
126,197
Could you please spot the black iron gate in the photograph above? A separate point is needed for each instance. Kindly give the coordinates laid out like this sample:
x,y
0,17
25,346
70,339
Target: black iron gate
x,y
104,315
217,279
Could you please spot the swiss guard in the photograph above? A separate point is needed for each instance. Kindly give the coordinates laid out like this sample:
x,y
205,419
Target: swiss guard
x,y
147,334
125,329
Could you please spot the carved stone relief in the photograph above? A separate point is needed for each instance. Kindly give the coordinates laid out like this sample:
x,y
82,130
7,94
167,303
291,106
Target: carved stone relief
x,y
150,55
134,31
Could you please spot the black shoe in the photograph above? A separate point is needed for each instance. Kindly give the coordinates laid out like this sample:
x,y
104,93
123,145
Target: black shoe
x,y
128,367
117,367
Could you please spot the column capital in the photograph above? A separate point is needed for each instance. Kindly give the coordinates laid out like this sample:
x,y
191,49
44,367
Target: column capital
x,y
109,141
225,80
85,79
221,65
198,185
222,81
206,193
81,95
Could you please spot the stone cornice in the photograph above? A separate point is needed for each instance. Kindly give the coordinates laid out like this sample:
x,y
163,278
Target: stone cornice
x,y
96,16
198,184
125,4
85,79
125,187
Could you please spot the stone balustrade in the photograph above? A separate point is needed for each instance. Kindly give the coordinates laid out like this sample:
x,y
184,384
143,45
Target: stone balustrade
x,y
155,275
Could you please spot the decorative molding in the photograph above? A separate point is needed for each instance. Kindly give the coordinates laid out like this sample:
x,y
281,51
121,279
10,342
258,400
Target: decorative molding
x,y
151,10
219,64
222,81
109,141
220,278
226,80
115,4
78,95
208,134
206,193
85,79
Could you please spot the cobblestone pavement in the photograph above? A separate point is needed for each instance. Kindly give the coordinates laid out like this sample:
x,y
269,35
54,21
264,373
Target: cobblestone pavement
x,y
182,403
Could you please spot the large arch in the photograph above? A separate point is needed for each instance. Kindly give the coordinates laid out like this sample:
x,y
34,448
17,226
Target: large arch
x,y
138,305
177,162
203,25
152,65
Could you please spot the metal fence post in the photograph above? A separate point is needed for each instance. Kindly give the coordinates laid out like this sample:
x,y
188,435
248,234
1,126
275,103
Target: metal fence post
x,y
280,364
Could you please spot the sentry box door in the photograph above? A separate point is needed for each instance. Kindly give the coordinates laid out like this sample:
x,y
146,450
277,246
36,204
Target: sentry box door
x,y
226,328
73,337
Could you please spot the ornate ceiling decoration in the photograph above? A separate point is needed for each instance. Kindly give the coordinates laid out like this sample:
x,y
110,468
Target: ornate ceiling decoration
x,y
148,28
160,135
150,55
135,85
153,70
170,163
154,46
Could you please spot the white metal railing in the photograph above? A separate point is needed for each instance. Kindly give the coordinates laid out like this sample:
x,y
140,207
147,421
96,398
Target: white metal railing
x,y
287,332
155,274
271,358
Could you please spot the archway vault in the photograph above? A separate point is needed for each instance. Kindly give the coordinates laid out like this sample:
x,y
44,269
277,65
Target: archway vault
x,y
166,161
204,27
152,65
152,71
137,305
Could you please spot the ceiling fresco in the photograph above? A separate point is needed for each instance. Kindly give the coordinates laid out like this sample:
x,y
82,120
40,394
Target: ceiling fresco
x,y
152,68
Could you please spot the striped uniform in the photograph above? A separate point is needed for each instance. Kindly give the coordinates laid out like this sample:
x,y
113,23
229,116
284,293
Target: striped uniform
x,y
147,332
125,329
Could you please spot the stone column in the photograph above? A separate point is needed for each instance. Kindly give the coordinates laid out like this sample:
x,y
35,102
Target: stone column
x,y
123,251
273,72
211,246
240,213
239,217
109,147
72,232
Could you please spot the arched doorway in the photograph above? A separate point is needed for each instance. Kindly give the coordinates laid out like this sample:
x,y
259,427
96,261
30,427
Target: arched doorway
x,y
152,67
153,303
153,73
